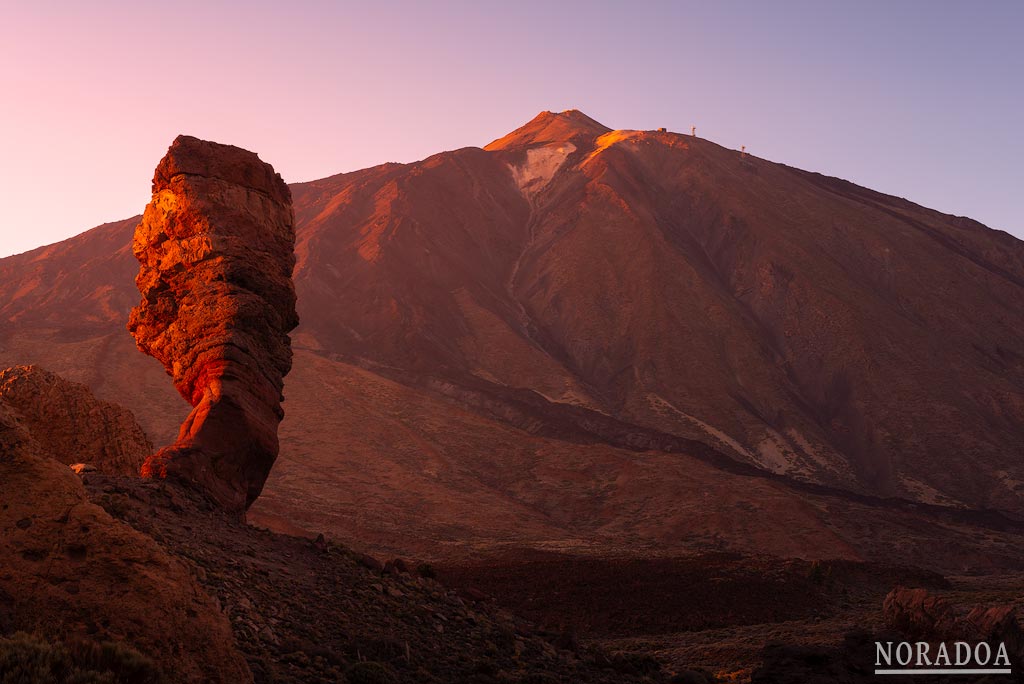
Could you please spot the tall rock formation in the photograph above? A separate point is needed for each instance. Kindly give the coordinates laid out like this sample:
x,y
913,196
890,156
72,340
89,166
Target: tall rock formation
x,y
216,248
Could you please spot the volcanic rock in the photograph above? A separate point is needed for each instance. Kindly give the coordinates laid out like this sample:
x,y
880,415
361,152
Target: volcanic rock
x,y
370,563
923,615
71,572
216,248
73,426
918,612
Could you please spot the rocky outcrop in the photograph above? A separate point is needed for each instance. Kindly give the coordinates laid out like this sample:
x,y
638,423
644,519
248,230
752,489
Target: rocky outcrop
x,y
922,615
73,426
918,612
71,572
915,615
216,248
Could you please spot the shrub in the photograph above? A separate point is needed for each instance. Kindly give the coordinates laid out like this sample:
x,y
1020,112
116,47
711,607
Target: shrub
x,y
819,572
28,659
119,659
633,663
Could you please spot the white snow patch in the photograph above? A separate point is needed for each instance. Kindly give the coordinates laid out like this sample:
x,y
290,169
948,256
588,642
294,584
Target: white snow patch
x,y
540,166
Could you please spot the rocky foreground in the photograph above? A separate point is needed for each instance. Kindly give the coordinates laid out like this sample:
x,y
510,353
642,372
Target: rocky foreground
x,y
72,573
164,570
179,589
315,611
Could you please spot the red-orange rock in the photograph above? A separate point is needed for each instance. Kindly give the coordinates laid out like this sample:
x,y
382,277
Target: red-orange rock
x,y
216,247
72,425
69,571
921,614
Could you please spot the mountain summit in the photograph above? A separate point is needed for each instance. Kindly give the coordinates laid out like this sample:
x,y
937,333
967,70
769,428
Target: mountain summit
x,y
550,127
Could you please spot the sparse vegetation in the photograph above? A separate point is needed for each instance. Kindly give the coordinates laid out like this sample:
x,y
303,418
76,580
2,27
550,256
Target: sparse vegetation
x,y
693,677
371,673
29,659
537,678
637,664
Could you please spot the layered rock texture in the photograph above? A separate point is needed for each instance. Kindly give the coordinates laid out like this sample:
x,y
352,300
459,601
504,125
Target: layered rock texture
x,y
216,248
71,425
71,572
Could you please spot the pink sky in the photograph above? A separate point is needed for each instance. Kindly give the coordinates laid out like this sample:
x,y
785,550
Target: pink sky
x,y
917,99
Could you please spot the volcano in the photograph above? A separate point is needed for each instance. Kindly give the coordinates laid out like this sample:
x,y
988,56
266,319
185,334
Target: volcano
x,y
587,339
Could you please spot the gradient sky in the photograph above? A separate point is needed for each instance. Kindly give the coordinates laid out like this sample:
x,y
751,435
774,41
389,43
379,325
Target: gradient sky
x,y
918,99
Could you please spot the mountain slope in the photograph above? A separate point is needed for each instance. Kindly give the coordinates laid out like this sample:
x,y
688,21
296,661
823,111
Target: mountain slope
x,y
576,335
793,321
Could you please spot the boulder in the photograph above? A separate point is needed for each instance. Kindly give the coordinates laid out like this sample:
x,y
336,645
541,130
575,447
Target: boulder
x,y
70,572
73,426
